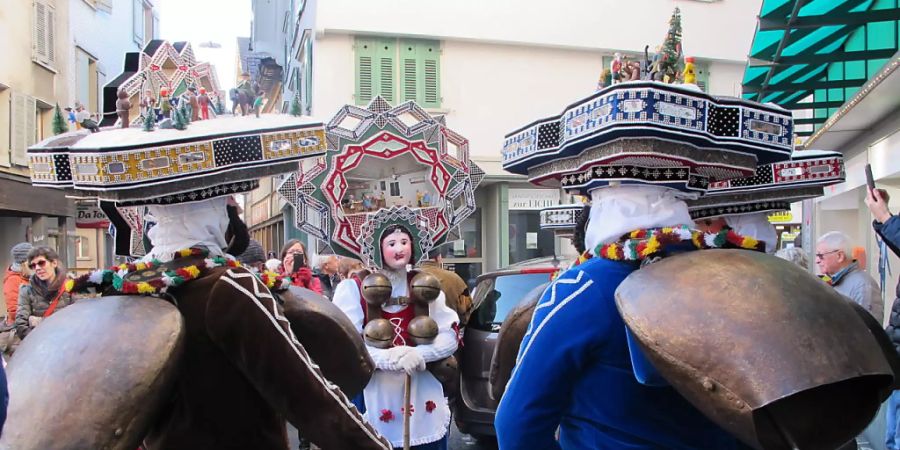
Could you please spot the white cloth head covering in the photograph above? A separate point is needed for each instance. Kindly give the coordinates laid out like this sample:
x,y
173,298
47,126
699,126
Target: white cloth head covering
x,y
616,210
186,225
755,225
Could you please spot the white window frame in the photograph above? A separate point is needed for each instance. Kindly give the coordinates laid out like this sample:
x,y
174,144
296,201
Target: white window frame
x,y
137,29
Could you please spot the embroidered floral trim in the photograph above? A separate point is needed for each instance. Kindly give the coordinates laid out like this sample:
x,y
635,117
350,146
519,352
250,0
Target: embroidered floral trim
x,y
386,415
115,276
412,409
640,244
430,406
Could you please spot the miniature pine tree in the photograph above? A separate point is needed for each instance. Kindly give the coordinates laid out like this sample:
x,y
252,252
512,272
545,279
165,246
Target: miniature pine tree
x,y
671,59
295,107
186,112
178,121
149,121
59,122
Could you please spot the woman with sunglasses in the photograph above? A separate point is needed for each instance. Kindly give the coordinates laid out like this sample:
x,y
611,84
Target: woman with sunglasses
x,y
45,294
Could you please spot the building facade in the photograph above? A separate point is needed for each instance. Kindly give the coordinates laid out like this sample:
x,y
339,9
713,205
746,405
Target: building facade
x,y
490,68
54,54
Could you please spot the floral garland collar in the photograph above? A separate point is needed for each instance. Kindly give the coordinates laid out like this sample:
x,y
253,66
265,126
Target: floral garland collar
x,y
641,244
153,277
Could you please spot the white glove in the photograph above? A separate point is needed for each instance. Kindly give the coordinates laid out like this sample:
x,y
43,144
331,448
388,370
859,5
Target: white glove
x,y
411,362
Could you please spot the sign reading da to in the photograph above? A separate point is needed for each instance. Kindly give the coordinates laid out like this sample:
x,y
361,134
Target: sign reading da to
x,y
90,216
533,199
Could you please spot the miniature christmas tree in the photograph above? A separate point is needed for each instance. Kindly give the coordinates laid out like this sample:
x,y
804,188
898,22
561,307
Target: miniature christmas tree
x,y
185,111
149,121
670,61
59,122
178,120
295,107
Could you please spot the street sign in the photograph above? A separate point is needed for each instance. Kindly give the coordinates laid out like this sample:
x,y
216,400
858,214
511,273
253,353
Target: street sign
x,y
90,216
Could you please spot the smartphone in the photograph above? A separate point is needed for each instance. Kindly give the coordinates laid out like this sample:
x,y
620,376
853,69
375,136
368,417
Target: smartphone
x,y
870,180
299,261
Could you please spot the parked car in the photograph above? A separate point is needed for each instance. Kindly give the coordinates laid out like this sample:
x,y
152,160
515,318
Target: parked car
x,y
495,295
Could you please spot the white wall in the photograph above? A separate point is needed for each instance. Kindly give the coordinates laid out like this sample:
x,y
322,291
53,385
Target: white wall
x,y
104,36
591,24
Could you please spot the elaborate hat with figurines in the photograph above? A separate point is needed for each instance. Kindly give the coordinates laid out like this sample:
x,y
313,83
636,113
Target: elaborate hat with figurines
x,y
384,165
561,219
650,133
774,186
126,168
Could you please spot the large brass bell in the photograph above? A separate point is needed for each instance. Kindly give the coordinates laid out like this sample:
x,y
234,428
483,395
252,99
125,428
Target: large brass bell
x,y
376,288
422,330
424,288
379,333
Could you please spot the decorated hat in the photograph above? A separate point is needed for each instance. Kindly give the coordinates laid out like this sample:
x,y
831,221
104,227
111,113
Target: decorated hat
x,y
562,219
774,186
649,133
384,166
126,168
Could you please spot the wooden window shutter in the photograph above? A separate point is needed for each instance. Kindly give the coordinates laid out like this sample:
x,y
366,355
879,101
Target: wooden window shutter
x,y
430,58
39,32
420,72
51,34
365,78
23,130
386,55
409,71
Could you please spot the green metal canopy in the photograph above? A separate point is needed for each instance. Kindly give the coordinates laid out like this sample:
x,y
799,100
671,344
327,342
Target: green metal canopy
x,y
816,54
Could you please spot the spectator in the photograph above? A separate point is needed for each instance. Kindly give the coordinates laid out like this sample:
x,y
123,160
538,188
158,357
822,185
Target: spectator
x,y
254,258
45,295
327,272
888,228
795,255
349,266
455,290
295,264
16,277
833,257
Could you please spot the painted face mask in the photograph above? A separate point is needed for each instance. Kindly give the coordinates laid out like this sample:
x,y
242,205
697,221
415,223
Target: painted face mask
x,y
396,250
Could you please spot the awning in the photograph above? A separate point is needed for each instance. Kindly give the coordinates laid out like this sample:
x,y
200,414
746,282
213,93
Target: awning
x,y
813,56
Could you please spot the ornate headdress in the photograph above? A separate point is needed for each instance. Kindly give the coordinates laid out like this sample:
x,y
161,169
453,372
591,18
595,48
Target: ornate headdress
x,y
774,186
384,165
126,168
649,133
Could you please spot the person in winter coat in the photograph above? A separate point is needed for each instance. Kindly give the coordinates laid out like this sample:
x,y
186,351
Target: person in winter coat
x,y
16,276
300,273
887,226
834,260
46,293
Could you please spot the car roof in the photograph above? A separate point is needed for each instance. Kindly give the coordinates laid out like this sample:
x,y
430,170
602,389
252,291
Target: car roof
x,y
547,264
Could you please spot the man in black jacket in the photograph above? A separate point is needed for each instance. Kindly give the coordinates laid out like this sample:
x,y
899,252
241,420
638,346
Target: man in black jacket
x,y
887,226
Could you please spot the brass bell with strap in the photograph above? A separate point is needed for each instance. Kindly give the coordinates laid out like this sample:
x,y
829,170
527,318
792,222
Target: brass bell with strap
x,y
761,347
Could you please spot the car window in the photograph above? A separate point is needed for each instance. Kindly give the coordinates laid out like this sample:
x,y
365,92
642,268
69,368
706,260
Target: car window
x,y
502,297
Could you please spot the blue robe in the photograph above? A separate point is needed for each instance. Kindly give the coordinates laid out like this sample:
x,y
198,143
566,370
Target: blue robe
x,y
575,372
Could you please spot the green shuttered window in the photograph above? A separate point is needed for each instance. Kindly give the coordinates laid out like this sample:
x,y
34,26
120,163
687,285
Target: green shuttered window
x,y
379,61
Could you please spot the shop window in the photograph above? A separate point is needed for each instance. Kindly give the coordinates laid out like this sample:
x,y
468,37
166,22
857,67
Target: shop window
x,y
469,243
526,239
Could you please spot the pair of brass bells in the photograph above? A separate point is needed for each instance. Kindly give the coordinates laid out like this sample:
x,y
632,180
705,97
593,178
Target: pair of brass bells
x,y
424,289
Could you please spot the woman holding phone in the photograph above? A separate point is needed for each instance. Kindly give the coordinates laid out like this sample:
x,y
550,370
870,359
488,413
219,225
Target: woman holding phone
x,y
294,263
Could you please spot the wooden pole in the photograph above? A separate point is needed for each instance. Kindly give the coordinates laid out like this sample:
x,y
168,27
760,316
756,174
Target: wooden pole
x,y
407,411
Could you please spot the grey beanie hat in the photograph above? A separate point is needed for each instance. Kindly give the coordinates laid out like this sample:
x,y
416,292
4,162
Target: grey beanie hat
x,y
253,254
19,254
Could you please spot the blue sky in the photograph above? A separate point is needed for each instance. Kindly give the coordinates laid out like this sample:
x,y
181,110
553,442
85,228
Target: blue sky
x,y
199,21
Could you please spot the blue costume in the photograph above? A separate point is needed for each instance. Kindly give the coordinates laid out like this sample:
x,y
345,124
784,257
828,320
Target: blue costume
x,y
574,371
